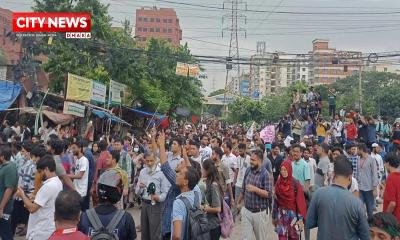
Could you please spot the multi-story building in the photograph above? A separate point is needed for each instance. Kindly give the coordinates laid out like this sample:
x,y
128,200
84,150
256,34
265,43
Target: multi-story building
x,y
157,23
271,73
329,64
382,67
11,48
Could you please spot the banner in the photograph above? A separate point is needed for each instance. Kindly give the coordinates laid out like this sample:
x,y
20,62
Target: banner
x,y
75,109
194,70
116,92
268,134
182,69
79,88
99,92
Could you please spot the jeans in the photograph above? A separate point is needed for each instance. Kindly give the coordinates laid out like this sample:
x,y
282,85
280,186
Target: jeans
x,y
238,190
385,145
321,139
5,229
332,110
367,197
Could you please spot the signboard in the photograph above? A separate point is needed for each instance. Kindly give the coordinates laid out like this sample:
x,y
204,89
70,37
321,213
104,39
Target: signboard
x,y
75,109
116,92
268,134
79,88
181,69
99,92
194,70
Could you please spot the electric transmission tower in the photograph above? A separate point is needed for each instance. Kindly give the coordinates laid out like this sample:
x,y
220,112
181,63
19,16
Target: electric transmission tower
x,y
231,23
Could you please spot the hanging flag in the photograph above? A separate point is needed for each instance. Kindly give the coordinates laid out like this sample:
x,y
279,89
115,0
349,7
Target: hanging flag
x,y
182,69
250,132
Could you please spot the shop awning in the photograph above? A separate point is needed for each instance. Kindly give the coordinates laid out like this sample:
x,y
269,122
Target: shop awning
x,y
56,118
106,115
147,114
9,91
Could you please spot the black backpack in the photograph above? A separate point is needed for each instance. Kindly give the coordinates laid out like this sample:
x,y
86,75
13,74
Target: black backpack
x,y
101,232
197,225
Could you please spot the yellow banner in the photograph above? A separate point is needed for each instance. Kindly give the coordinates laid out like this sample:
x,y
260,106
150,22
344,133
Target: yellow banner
x,y
79,88
181,69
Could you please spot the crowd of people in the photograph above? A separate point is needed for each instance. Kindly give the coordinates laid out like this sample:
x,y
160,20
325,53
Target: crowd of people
x,y
199,182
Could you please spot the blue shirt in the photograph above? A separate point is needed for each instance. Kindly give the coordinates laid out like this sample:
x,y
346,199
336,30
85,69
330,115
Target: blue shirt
x,y
173,192
337,214
301,171
179,211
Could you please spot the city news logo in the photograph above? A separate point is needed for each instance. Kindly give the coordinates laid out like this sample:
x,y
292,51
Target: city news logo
x,y
74,25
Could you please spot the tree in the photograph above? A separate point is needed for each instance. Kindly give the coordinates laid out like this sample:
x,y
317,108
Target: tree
x,y
113,54
217,92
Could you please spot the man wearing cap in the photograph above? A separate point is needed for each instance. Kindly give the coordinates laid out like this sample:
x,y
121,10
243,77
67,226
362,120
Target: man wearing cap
x,y
381,170
109,191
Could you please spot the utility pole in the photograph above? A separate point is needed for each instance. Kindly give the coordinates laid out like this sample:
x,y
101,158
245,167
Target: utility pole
x,y
234,17
360,98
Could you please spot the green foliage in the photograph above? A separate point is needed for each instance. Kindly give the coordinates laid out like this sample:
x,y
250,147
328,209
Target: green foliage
x,y
217,92
380,93
113,54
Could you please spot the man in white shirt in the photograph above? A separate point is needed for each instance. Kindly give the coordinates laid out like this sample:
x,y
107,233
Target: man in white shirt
x,y
41,219
243,162
230,159
337,128
81,170
381,169
205,150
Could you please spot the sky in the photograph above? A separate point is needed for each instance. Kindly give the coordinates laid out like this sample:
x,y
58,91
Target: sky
x,y
285,25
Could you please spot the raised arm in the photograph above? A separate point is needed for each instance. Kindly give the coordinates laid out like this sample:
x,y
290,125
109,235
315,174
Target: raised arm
x,y
161,145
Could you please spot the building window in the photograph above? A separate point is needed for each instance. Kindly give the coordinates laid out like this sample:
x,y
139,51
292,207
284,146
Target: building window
x,y
140,19
165,20
157,20
303,77
158,30
151,30
145,20
169,20
169,30
139,29
385,69
303,69
4,41
169,40
144,39
177,20
151,19
164,30
144,29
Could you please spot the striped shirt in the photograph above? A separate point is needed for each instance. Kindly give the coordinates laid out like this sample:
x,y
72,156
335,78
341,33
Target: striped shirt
x,y
261,179
27,176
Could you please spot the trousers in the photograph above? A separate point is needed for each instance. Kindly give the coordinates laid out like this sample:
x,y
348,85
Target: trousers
x,y
367,197
254,224
150,221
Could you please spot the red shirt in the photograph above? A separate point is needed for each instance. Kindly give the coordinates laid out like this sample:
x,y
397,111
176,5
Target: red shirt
x,y
68,234
351,131
392,193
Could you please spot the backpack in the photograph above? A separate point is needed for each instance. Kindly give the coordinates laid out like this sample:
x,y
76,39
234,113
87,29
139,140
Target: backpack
x,y
197,225
101,232
226,219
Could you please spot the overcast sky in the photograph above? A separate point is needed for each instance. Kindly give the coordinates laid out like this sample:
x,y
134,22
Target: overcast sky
x,y
292,33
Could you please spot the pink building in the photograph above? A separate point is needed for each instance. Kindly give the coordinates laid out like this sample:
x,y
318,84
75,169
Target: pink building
x,y
157,23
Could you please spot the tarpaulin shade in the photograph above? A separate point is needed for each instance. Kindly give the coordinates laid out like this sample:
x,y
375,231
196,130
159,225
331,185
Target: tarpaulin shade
x,y
56,118
106,115
9,91
147,114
